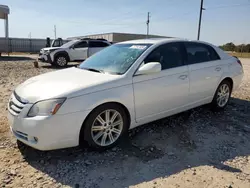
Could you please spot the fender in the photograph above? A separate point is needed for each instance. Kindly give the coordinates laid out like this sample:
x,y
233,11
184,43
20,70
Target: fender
x,y
61,53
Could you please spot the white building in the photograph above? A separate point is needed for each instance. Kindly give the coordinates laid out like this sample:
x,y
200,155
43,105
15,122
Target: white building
x,y
118,37
4,12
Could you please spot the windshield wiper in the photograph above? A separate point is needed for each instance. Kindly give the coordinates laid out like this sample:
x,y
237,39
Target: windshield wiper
x,y
94,70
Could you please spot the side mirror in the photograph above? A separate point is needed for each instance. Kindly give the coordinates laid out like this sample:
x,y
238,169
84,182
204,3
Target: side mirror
x,y
72,47
149,68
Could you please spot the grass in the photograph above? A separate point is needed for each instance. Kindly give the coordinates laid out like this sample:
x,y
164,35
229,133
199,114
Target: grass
x,y
240,55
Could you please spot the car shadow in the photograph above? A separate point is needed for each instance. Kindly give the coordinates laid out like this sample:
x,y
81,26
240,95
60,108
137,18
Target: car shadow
x,y
16,58
159,149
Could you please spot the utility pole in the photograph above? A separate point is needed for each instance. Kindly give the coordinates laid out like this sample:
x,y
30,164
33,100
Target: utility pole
x,y
148,23
55,31
199,28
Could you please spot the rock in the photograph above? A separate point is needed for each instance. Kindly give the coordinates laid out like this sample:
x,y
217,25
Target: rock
x,y
87,162
194,173
12,172
7,181
170,153
39,177
114,149
246,128
230,186
42,161
152,149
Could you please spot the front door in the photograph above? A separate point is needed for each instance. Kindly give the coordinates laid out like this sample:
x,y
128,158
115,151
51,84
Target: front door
x,y
160,94
79,51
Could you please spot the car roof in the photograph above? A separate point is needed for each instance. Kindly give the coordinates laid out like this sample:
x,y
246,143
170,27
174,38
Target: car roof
x,y
162,41
152,40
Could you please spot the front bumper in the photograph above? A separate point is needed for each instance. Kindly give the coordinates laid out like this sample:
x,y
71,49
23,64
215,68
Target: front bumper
x,y
48,133
44,58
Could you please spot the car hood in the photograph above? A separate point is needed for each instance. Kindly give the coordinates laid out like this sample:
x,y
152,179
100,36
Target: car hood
x,y
50,48
68,83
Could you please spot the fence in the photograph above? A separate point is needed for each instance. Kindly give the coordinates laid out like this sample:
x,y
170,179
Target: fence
x,y
21,45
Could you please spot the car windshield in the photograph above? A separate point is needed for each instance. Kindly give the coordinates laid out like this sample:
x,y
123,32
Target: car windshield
x,y
68,44
115,59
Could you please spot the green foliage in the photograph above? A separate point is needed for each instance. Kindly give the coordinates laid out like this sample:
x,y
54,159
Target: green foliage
x,y
236,48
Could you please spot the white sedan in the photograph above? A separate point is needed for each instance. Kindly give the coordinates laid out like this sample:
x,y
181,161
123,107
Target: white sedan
x,y
119,88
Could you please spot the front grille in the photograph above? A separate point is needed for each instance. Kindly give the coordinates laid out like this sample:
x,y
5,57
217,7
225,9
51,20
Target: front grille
x,y
16,104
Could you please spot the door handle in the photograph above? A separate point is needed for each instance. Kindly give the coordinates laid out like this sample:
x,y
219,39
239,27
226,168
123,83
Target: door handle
x,y
183,77
218,69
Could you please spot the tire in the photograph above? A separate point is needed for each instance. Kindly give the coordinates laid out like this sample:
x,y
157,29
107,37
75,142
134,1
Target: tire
x,y
102,134
61,61
222,96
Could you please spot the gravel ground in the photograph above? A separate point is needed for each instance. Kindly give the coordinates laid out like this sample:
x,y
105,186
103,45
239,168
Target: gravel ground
x,y
195,149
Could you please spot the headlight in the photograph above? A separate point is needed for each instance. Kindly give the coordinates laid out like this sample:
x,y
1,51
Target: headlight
x,y
46,108
49,51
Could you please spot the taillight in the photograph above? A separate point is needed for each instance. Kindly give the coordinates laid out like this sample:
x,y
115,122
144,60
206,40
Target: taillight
x,y
238,61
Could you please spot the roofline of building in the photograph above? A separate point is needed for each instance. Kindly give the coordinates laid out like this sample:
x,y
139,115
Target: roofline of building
x,y
4,9
118,33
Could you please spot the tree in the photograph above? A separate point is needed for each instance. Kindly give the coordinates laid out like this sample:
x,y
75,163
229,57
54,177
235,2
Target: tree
x,y
236,48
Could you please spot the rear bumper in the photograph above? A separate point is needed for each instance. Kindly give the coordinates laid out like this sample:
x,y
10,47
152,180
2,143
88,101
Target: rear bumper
x,y
237,81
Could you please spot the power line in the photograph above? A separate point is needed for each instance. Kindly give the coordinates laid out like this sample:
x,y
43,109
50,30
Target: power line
x,y
109,22
227,6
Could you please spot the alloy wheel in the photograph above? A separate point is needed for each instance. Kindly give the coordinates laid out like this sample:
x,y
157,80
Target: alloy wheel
x,y
107,127
223,95
61,61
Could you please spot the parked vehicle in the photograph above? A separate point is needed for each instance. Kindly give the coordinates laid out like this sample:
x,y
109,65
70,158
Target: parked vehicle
x,y
119,88
56,42
75,50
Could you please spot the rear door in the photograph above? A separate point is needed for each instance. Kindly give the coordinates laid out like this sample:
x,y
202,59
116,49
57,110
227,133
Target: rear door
x,y
157,95
79,51
95,46
205,71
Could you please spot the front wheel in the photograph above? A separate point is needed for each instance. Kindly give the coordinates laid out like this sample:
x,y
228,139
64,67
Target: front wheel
x,y
105,126
61,61
222,95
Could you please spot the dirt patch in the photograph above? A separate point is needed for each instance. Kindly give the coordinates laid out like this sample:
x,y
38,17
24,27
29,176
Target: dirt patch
x,y
195,149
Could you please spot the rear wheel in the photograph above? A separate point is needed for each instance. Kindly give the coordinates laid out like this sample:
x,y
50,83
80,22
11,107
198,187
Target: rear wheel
x,y
105,126
222,95
61,61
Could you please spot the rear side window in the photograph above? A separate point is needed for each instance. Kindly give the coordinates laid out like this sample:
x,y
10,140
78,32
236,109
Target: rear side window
x,y
97,44
168,55
82,44
199,53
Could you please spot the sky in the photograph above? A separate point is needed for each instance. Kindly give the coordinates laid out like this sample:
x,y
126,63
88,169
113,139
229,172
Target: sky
x,y
223,20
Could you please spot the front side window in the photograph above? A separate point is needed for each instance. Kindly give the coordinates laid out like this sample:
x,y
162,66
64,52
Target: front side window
x,y
168,55
69,44
82,44
115,59
198,53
